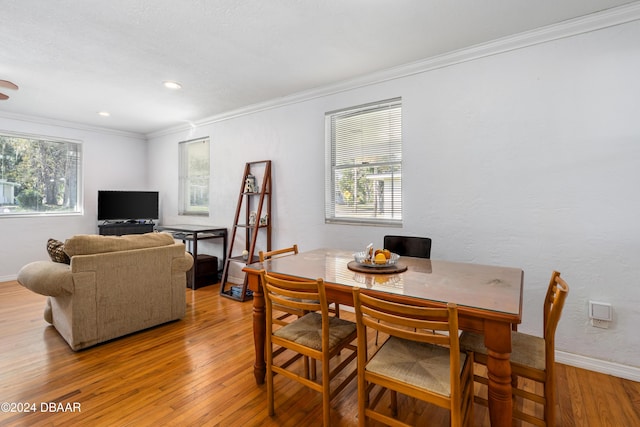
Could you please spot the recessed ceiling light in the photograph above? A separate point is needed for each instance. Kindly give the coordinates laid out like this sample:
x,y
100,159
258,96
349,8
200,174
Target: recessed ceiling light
x,y
172,85
104,113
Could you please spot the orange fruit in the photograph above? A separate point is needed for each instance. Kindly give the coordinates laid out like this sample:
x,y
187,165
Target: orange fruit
x,y
380,259
387,253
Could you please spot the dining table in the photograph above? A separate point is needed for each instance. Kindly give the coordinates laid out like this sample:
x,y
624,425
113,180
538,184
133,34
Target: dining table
x,y
489,300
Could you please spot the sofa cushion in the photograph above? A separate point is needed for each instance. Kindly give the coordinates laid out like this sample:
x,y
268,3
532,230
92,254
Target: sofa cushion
x,y
89,244
55,248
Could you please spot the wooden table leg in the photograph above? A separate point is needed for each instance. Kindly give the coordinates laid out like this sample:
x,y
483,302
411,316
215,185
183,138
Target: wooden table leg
x,y
259,327
497,339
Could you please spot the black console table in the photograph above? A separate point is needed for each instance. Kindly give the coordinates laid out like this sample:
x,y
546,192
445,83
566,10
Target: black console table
x,y
120,228
194,234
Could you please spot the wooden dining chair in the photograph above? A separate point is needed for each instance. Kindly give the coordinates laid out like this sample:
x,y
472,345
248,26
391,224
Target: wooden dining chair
x,y
418,247
316,335
532,358
265,255
413,361
334,307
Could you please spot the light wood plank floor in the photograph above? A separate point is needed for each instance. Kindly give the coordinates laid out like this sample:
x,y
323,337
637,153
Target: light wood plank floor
x,y
198,371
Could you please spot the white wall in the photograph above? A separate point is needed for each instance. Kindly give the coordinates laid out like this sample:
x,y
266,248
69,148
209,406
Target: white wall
x,y
111,161
526,158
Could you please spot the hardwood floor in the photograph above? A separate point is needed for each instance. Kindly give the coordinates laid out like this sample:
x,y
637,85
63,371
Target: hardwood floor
x,y
198,371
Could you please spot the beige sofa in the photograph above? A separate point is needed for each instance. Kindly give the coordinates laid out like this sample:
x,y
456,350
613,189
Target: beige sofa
x,y
114,285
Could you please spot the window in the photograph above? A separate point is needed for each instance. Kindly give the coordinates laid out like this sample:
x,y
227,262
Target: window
x,y
39,176
364,164
194,177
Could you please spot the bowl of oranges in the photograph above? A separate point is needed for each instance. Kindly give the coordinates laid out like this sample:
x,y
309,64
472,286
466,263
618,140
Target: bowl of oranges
x,y
376,258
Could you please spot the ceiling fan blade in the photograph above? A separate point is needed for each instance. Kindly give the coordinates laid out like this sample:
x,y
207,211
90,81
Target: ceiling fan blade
x,y
3,97
8,84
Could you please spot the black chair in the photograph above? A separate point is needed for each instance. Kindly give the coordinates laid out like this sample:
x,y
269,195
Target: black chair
x,y
419,247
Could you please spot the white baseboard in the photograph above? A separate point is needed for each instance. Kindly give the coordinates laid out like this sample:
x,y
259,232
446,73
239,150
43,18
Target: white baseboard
x,y
605,367
8,278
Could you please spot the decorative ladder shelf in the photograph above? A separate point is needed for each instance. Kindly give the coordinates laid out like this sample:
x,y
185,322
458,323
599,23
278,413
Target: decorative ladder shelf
x,y
253,202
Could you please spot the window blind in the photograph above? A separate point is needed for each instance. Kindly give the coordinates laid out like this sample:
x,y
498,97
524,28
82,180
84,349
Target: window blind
x,y
364,164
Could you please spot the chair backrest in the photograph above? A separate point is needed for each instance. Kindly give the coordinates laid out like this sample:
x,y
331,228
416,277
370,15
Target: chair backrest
x,y
419,247
295,295
554,301
414,323
293,250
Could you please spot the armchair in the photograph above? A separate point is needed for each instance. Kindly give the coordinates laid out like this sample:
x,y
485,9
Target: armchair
x,y
113,286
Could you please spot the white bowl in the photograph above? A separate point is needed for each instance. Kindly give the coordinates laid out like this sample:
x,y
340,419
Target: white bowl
x,y
361,258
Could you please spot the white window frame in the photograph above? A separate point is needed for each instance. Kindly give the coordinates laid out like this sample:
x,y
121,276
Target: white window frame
x,y
45,191
364,144
194,174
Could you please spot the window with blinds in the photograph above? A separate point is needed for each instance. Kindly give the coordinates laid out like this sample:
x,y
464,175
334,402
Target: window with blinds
x,y
193,194
364,164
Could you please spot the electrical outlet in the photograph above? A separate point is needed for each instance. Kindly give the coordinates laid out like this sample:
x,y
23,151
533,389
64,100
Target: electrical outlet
x,y
598,323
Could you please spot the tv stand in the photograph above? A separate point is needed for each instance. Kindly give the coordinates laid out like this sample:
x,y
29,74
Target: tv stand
x,y
120,228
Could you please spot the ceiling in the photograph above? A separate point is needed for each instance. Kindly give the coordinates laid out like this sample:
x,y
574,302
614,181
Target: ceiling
x,y
72,59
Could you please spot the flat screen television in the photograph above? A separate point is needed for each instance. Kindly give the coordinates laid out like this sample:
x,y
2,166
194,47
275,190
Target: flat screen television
x,y
127,205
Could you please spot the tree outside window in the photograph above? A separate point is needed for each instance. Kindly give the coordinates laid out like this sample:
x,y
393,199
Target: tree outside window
x,y
194,177
39,176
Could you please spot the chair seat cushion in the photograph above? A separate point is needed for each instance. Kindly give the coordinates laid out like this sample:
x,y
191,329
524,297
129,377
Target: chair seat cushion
x,y
419,364
307,331
307,301
527,350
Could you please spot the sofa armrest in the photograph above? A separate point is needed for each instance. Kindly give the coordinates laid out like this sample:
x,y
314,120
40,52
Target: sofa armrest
x,y
182,264
47,278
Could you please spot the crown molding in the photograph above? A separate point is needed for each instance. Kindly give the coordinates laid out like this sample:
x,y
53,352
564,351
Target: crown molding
x,y
70,125
585,24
